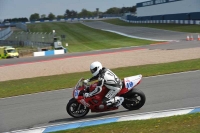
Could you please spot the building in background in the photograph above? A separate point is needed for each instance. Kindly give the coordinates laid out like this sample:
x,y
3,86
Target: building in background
x,y
167,10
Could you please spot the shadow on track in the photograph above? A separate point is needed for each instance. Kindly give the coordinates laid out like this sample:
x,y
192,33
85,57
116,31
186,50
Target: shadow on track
x,y
88,117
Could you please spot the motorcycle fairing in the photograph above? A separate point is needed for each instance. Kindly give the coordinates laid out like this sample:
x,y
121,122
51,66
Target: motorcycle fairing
x,y
76,94
132,81
95,101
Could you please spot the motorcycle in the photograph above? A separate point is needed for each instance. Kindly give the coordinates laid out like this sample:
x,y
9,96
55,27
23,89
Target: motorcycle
x,y
79,106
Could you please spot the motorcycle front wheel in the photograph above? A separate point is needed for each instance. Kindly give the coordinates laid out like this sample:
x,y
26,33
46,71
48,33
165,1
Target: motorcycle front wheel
x,y
76,109
134,99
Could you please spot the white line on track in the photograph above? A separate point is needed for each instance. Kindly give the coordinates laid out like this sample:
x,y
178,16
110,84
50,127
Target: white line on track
x,y
172,74
130,36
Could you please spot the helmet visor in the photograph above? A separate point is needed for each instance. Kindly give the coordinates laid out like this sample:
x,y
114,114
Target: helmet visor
x,y
93,70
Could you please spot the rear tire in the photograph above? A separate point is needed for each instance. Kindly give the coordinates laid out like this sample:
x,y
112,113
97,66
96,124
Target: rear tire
x,y
134,99
76,109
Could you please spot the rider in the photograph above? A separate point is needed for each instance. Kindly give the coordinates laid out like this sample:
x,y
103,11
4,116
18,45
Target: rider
x,y
110,80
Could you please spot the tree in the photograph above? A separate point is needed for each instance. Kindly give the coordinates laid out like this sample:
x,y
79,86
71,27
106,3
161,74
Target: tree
x,y
16,20
70,14
86,13
83,13
73,13
128,9
67,13
51,16
133,9
60,17
34,17
113,10
24,19
43,16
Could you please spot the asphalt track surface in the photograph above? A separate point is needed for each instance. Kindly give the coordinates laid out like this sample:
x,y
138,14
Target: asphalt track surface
x,y
162,92
142,32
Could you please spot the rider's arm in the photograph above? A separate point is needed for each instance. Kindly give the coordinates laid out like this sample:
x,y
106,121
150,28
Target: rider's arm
x,y
93,78
98,88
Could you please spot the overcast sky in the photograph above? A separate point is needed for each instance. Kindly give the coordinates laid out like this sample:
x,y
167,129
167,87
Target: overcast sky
x,y
24,8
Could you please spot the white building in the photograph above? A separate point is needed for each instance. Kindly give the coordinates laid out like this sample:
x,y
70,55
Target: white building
x,y
168,10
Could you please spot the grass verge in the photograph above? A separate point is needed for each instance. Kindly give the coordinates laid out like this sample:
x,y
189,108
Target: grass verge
x,y
41,84
175,124
173,27
82,38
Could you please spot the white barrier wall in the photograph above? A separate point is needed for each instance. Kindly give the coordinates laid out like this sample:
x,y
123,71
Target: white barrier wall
x,y
168,7
49,53
56,52
166,21
42,53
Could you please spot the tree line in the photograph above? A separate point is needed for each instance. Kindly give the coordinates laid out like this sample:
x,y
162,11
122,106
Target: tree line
x,y
74,14
15,20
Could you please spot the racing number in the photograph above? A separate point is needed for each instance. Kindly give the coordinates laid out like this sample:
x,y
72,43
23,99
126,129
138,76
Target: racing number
x,y
129,84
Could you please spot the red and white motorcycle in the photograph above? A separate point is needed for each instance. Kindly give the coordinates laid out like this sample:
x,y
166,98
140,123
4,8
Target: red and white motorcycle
x,y
79,106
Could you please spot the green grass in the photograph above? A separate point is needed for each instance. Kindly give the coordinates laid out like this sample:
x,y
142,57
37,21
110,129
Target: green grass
x,y
82,38
41,84
189,123
173,27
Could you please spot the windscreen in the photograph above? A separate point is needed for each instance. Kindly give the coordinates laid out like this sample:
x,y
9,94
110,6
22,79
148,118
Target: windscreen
x,y
79,83
11,51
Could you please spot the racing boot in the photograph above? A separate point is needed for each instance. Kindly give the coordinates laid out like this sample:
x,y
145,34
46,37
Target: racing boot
x,y
118,101
115,102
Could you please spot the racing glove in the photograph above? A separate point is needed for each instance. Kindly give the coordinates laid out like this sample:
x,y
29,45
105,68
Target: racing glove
x,y
86,95
86,81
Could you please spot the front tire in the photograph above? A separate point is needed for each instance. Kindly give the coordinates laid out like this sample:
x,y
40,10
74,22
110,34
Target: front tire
x,y
76,109
134,99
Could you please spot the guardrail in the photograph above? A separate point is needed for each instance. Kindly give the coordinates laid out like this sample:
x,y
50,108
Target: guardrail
x,y
56,20
30,39
25,43
197,22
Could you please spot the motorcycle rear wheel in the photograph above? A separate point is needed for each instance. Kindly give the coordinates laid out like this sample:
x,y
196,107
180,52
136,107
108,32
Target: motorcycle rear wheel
x,y
76,109
134,99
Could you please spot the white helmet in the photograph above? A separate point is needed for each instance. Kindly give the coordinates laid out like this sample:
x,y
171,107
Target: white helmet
x,y
95,67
